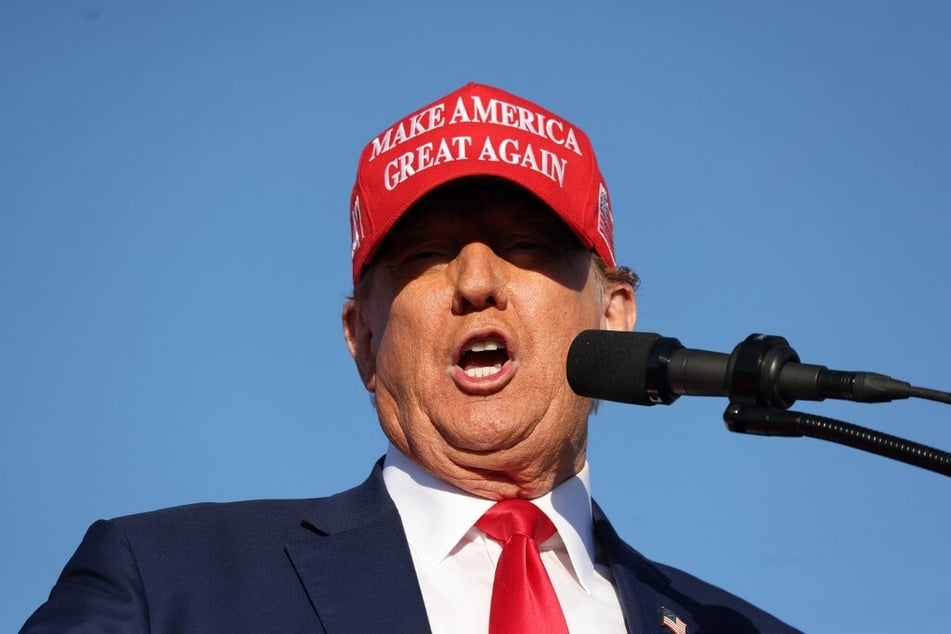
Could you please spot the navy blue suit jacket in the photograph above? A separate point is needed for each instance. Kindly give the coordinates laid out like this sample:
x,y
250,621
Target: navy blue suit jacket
x,y
337,564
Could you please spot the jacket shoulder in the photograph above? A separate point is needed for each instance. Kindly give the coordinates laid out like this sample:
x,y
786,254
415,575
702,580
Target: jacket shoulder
x,y
196,567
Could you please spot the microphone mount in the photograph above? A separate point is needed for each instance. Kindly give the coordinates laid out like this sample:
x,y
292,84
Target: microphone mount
x,y
758,406
754,369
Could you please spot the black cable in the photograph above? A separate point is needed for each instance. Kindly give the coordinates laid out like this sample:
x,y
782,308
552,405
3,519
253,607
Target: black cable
x,y
929,394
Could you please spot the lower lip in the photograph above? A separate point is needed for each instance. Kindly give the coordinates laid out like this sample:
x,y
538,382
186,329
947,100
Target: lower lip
x,y
481,386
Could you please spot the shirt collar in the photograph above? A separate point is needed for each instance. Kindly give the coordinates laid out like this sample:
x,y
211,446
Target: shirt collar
x,y
436,515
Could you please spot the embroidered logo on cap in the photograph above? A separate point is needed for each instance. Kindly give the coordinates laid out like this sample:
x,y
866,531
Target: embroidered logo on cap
x,y
473,109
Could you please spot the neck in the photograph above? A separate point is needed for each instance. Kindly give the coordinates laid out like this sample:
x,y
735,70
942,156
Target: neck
x,y
499,475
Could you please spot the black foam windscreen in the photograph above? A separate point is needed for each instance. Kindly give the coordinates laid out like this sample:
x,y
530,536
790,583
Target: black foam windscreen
x,y
611,365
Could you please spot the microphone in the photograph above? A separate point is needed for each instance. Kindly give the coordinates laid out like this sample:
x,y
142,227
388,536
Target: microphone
x,y
648,369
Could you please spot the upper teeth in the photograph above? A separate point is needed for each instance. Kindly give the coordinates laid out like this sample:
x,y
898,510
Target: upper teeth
x,y
482,346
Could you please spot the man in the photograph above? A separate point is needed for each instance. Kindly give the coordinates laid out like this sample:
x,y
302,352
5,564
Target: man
x,y
482,245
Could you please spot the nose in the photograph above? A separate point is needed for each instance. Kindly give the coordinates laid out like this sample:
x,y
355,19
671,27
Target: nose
x,y
479,277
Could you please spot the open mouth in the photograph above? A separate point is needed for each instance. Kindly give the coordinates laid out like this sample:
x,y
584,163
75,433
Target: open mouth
x,y
484,358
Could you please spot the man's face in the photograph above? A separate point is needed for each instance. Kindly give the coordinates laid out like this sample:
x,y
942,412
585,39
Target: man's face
x,y
462,333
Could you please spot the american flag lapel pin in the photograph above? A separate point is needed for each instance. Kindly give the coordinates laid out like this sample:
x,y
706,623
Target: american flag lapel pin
x,y
672,622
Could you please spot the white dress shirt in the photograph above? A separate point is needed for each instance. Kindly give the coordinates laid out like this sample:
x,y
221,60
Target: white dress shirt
x,y
455,561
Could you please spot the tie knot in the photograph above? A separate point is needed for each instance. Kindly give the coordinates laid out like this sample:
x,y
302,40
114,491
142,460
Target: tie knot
x,y
516,517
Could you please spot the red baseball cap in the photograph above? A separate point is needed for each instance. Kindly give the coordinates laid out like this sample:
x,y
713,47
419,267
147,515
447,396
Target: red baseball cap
x,y
479,130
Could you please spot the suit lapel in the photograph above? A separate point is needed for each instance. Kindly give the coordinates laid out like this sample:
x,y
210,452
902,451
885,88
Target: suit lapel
x,y
643,589
356,566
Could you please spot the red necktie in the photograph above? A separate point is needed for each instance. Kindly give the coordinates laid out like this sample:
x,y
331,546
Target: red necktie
x,y
523,599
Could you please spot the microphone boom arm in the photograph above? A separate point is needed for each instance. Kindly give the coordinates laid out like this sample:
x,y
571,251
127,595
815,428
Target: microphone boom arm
x,y
749,418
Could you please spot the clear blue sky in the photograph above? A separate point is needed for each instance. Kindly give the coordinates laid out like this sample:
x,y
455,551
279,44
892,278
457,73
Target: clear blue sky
x,y
174,245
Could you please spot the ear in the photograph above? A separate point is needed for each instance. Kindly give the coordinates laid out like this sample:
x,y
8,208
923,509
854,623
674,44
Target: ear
x,y
620,307
356,332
